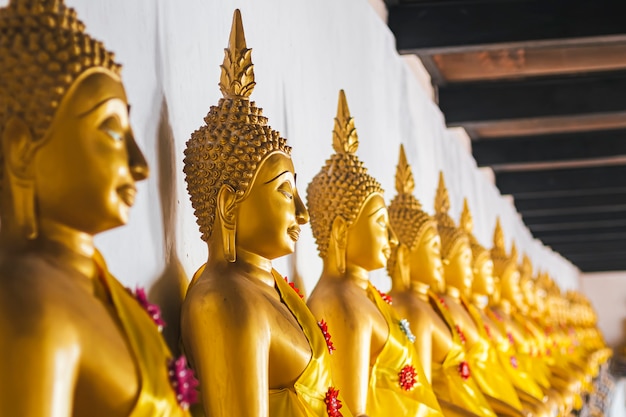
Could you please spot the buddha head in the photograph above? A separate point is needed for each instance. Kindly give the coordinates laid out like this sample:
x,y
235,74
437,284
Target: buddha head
x,y
239,171
349,218
456,253
68,151
482,265
505,268
417,258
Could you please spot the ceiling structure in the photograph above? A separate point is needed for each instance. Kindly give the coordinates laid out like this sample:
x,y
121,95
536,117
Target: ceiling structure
x,y
540,87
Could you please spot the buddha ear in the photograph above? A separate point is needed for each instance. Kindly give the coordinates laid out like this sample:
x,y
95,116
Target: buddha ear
x,y
339,236
226,209
18,148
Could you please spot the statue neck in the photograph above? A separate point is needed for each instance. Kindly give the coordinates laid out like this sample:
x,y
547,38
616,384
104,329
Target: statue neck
x,y
453,292
64,246
420,289
254,265
480,301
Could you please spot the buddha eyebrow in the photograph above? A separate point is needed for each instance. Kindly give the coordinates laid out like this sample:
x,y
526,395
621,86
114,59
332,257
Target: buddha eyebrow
x,y
282,173
376,211
95,106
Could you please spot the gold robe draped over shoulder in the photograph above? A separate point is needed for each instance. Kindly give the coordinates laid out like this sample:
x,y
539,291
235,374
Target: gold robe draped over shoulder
x,y
150,353
386,397
485,364
306,397
448,383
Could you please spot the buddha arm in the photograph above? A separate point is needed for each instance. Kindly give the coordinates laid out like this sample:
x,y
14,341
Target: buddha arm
x,y
503,409
229,348
39,370
422,329
351,360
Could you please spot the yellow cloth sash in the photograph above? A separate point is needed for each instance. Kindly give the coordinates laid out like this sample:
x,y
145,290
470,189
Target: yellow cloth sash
x,y
385,395
306,397
447,381
156,397
485,365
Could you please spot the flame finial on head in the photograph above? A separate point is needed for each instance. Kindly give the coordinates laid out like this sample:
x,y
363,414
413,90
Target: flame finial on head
x,y
501,262
451,236
345,138
479,252
405,184
467,221
237,79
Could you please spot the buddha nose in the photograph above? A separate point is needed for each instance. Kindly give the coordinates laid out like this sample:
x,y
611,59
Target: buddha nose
x,y
302,214
393,239
136,161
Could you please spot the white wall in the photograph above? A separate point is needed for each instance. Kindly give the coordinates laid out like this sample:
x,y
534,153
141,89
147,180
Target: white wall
x,y
607,292
304,52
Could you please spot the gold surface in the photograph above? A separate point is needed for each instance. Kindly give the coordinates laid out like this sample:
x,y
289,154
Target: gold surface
x,y
76,342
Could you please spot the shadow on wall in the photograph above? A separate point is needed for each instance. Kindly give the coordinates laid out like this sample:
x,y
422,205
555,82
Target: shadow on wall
x,y
170,288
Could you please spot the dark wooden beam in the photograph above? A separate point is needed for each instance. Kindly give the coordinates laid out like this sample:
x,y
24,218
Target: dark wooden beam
x,y
615,216
570,204
556,183
568,248
596,94
591,266
550,148
437,27
589,236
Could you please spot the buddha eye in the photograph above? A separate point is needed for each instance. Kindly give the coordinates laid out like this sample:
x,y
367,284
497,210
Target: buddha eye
x,y
286,190
116,136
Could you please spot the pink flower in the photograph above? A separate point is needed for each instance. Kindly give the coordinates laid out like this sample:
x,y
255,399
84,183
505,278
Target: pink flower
x,y
464,370
293,286
488,330
326,334
153,310
407,377
443,303
511,338
183,381
514,362
333,403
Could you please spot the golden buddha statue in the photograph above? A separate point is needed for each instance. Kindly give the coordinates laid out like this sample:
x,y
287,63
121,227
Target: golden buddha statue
x,y
257,349
484,365
527,351
415,267
483,289
375,364
76,342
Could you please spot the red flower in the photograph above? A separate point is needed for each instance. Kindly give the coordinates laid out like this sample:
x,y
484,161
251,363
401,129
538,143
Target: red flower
x,y
443,303
514,362
461,334
326,334
153,310
548,352
464,370
488,330
292,285
183,382
386,297
497,316
407,377
333,403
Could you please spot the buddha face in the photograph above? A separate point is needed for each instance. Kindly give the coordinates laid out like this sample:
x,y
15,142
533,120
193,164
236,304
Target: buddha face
x,y
511,290
458,268
370,238
269,217
483,277
87,165
425,262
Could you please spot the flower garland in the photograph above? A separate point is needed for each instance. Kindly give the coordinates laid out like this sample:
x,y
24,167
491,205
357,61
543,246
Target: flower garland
x,y
296,289
407,377
464,370
153,310
183,381
386,297
333,403
405,326
324,327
